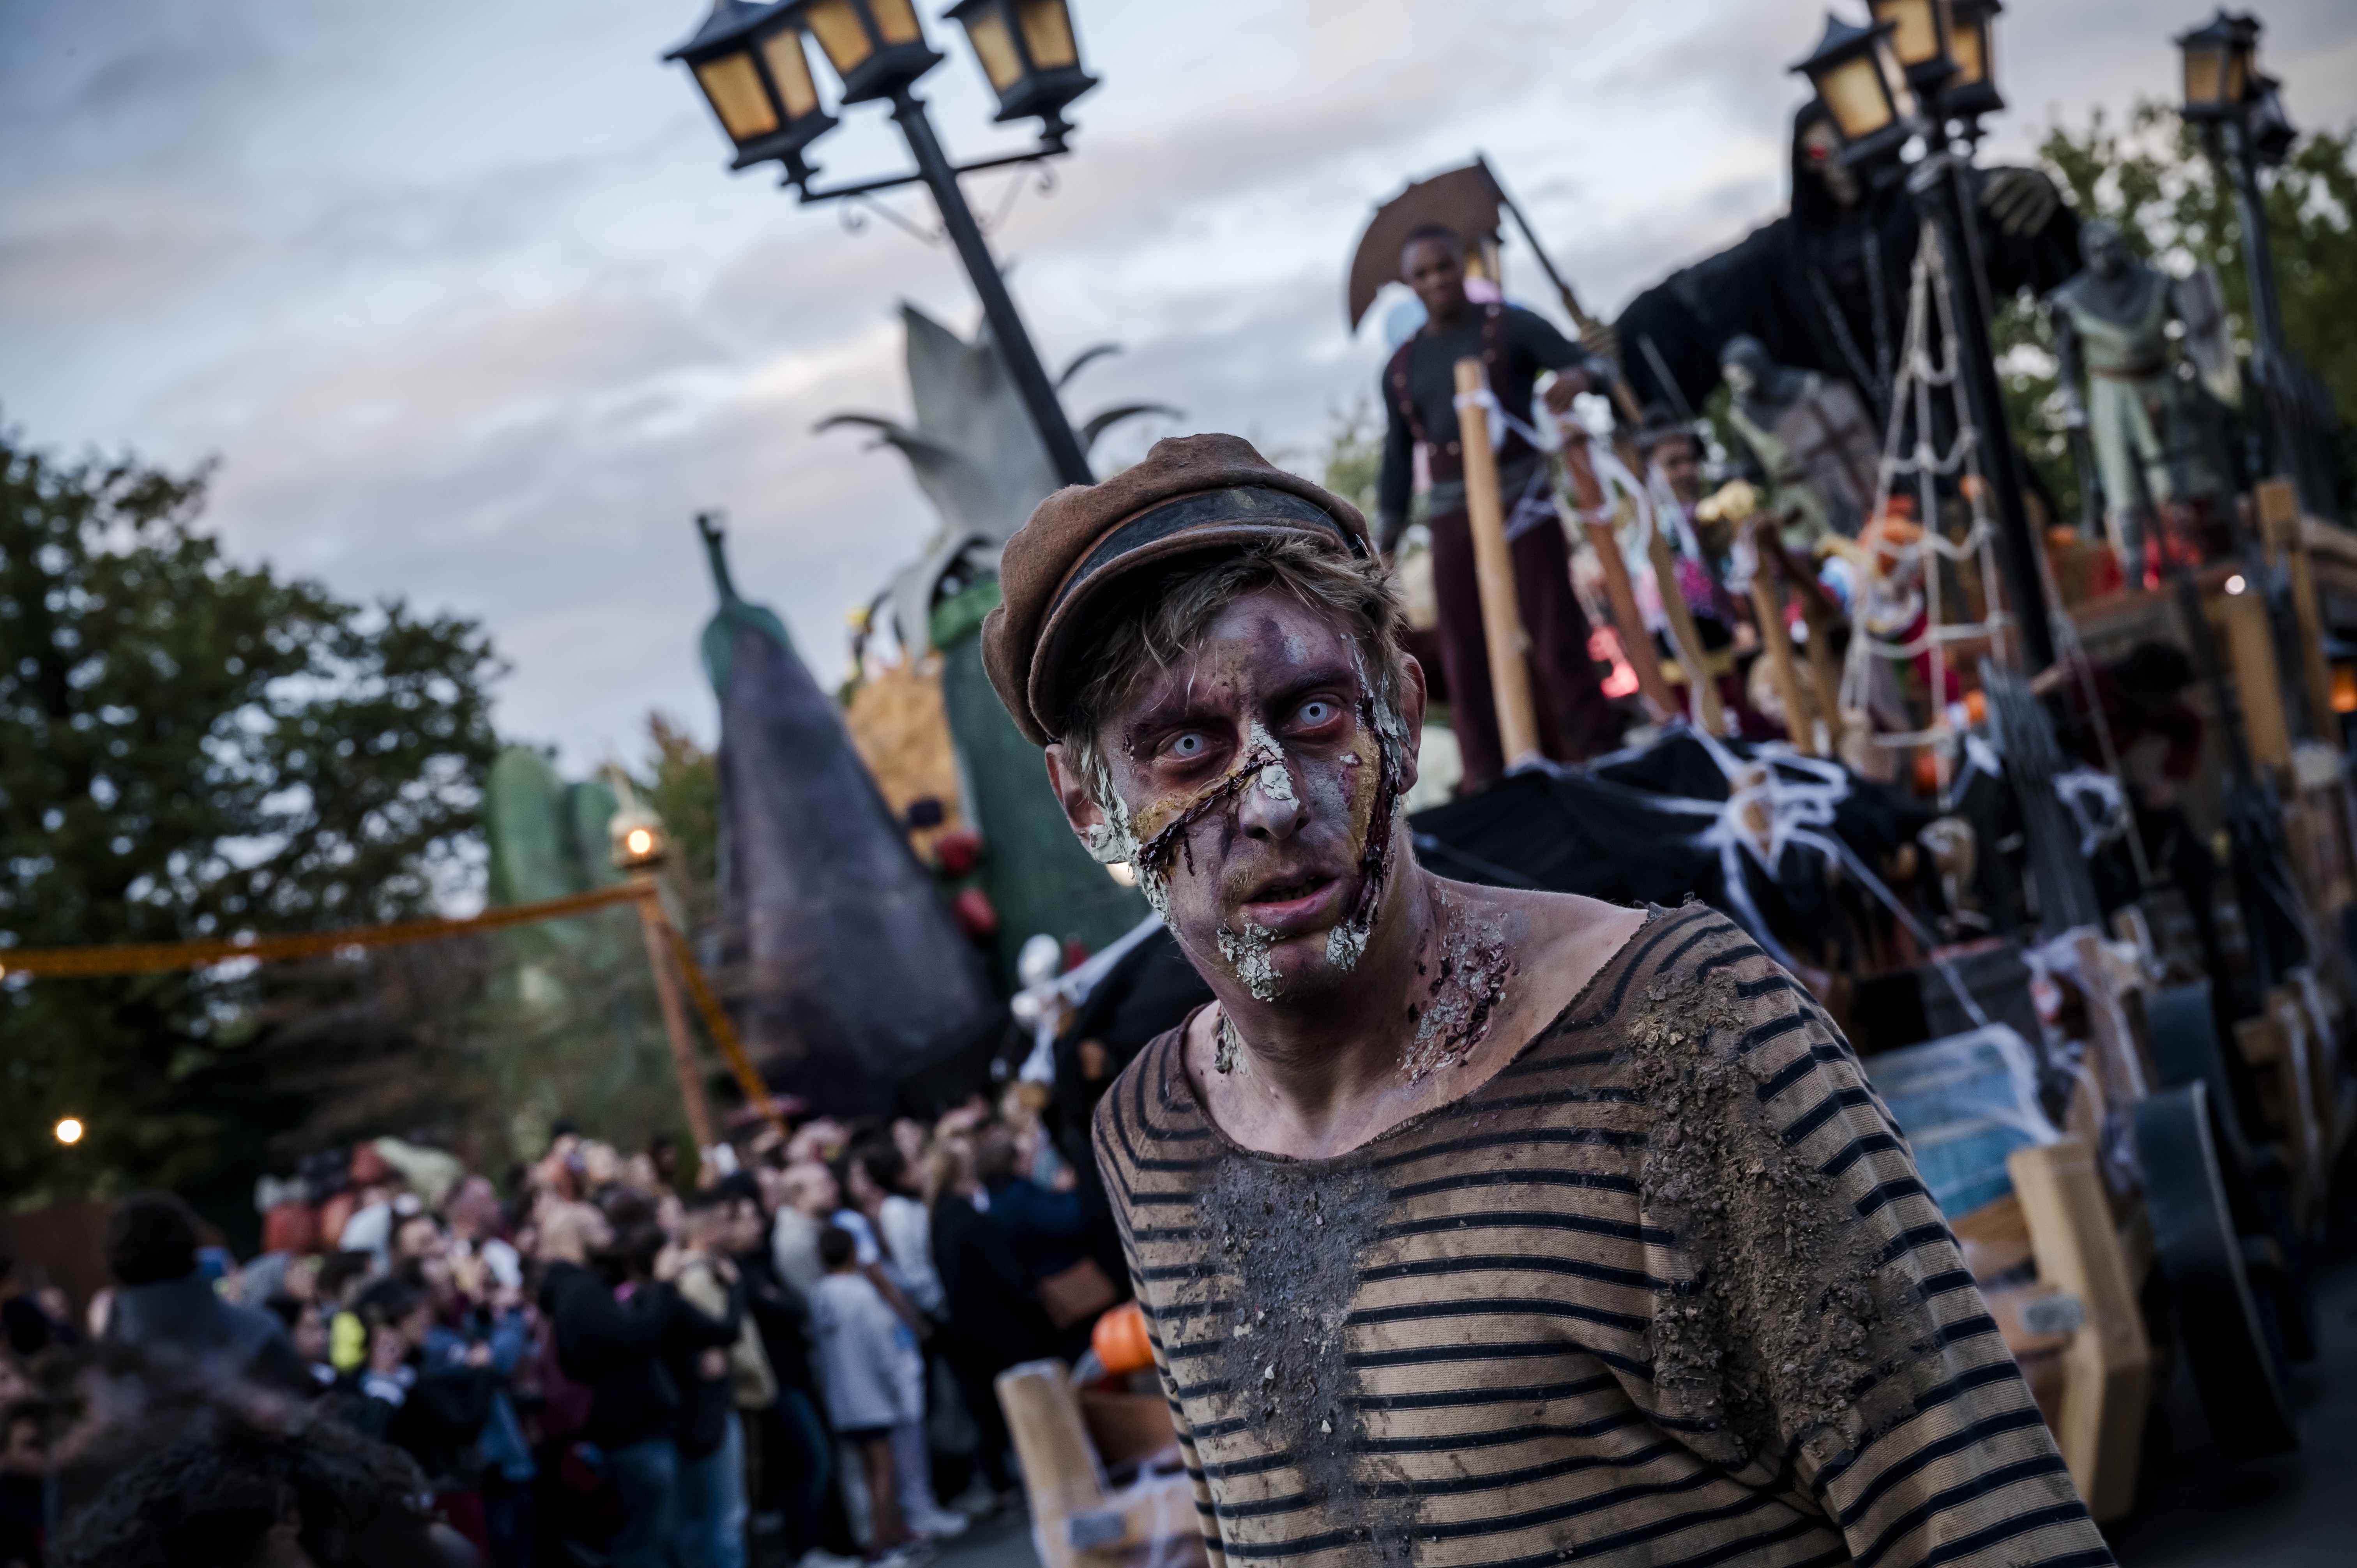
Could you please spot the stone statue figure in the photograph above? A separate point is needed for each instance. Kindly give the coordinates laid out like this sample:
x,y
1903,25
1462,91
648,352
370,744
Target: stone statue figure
x,y
2120,385
1809,433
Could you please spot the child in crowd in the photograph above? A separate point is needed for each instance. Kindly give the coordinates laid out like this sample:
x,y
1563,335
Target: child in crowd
x,y
873,1377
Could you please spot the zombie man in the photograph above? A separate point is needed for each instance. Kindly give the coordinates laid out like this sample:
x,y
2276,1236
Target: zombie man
x,y
1419,387
1475,1226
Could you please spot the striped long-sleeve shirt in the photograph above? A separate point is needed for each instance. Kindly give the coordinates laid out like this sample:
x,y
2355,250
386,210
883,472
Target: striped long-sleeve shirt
x,y
1665,1290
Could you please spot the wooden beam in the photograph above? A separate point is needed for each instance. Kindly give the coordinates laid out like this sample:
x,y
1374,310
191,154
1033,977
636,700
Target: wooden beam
x,y
654,927
2107,1369
1060,1472
1776,643
1701,687
2258,684
1636,643
1493,568
2279,526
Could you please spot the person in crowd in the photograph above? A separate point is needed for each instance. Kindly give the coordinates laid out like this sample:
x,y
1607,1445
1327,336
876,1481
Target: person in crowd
x,y
1048,1230
218,1487
26,1420
483,1322
875,1177
882,1184
733,1385
798,1472
615,1349
34,1317
475,1219
1419,394
165,1308
993,1319
307,1331
810,1196
870,1369
429,1400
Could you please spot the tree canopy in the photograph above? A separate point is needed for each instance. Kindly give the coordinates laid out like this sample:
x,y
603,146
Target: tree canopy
x,y
192,748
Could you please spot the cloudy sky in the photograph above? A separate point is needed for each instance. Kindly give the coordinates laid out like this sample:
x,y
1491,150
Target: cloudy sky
x,y
462,299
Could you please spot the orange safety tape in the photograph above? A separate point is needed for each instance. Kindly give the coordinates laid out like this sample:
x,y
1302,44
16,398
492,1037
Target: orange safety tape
x,y
85,963
723,1032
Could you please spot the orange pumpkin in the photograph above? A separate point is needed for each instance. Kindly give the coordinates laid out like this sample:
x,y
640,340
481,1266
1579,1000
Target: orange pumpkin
x,y
1119,1339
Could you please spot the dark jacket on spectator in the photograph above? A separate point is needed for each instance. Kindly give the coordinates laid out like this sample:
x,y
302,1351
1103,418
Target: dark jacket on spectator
x,y
995,1316
183,1321
782,1317
1049,1230
706,1404
616,1349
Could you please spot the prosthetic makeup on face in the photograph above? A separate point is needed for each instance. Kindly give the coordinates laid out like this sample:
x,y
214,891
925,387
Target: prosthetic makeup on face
x,y
1255,785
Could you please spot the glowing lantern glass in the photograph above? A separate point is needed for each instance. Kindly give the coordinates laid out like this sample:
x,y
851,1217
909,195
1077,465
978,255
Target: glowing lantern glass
x,y
1029,53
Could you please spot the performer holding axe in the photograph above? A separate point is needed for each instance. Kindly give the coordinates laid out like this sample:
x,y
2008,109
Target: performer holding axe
x,y
1576,720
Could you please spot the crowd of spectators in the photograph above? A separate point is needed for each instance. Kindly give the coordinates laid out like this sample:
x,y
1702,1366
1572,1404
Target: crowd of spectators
x,y
784,1355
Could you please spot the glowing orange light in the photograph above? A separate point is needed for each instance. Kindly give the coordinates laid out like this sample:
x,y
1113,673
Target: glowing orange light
x,y
2344,688
69,1130
640,842
1604,647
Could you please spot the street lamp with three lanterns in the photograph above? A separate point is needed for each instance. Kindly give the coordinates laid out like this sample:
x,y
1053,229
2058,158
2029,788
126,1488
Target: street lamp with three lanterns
x,y
752,62
1924,69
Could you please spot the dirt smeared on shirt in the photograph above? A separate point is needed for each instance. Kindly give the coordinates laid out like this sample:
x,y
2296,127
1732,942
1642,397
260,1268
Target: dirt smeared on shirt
x,y
1292,1238
1787,1320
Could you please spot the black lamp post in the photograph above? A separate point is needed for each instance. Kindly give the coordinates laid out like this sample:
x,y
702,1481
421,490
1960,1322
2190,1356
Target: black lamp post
x,y
1919,40
1874,110
2237,110
752,62
1972,91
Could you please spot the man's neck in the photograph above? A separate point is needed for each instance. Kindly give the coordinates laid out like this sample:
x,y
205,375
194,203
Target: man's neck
x,y
1328,1058
1438,323
1454,982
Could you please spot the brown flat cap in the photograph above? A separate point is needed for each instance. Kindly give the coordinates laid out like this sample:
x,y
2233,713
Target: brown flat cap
x,y
1193,493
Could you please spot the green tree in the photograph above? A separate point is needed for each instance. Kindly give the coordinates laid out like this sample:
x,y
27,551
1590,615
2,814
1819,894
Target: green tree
x,y
2150,179
190,748
681,781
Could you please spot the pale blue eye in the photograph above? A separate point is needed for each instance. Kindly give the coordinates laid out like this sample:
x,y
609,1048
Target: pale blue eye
x,y
1188,746
1317,711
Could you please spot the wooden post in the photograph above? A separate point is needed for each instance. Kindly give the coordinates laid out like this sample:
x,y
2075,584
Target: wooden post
x,y
723,1032
652,923
1493,565
2251,651
1776,641
1636,643
2107,1369
1703,690
2280,526
1060,1472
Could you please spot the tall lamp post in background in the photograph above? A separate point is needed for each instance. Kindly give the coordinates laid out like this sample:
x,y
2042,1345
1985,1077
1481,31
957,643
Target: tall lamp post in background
x,y
1883,86
2243,128
753,63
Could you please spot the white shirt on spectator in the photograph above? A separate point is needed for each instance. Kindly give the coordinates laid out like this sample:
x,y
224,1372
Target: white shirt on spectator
x,y
868,1361
909,1231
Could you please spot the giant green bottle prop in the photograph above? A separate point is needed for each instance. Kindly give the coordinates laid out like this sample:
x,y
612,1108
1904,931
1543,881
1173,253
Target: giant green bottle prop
x,y
838,955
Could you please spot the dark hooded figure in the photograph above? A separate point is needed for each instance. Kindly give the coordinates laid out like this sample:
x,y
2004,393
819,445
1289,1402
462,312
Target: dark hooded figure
x,y
1824,288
